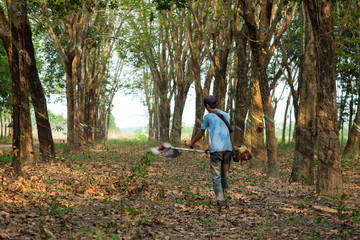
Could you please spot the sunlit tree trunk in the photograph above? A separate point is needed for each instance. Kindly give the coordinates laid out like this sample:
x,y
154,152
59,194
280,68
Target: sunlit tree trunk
x,y
242,98
178,48
256,125
305,128
329,178
265,37
37,96
180,99
285,117
23,147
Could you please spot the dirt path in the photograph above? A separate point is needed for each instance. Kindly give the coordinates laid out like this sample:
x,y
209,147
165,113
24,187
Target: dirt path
x,y
9,146
5,146
115,191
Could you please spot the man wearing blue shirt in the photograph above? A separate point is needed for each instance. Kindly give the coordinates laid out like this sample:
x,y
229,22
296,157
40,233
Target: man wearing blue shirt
x,y
220,148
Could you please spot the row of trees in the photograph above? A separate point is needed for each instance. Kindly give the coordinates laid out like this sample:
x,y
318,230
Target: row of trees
x,y
239,51
79,39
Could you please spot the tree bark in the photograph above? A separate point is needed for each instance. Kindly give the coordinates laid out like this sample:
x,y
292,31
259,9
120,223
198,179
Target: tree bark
x,y
256,125
329,178
305,128
242,98
23,147
180,99
196,37
46,142
353,143
263,42
285,117
1,122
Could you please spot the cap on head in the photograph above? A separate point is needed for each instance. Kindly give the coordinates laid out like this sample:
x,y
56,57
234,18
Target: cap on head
x,y
210,100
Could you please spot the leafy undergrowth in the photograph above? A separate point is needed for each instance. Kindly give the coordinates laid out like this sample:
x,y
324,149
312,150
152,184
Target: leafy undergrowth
x,y
118,190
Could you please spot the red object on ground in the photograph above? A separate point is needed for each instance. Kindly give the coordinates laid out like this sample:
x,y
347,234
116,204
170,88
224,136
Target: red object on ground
x,y
162,147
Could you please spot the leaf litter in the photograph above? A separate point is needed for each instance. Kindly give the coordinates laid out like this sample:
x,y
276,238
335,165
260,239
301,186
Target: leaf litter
x,y
118,190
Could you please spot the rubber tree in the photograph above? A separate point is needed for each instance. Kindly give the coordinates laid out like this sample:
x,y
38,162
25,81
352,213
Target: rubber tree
x,y
150,41
329,177
12,32
221,36
99,48
67,24
31,75
179,59
265,31
196,27
305,128
242,96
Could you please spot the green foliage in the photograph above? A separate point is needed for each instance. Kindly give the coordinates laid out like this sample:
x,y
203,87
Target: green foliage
x,y
112,235
5,79
341,204
169,4
57,121
6,158
112,124
346,33
48,61
140,167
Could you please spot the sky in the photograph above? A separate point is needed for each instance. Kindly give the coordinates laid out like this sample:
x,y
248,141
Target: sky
x,y
129,112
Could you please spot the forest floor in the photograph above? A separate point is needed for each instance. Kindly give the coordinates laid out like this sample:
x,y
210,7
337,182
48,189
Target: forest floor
x,y
119,190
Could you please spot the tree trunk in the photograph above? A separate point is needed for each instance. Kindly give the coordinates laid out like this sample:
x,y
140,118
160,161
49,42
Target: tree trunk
x,y
222,39
242,87
257,126
196,36
37,96
180,99
199,98
81,106
352,144
71,112
302,169
90,115
329,178
285,117
100,114
1,122
271,144
263,43
164,117
7,122
23,147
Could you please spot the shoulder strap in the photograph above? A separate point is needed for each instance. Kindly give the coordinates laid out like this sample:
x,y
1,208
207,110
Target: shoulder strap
x,y
224,119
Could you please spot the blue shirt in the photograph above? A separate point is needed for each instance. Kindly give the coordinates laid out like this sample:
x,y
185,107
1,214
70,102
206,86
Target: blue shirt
x,y
219,133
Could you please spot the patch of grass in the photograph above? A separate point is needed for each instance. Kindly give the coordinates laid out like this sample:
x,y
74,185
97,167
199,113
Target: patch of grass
x,y
208,223
5,140
6,158
287,147
61,147
203,165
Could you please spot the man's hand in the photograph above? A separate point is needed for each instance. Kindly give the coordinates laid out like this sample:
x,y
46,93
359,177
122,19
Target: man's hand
x,y
197,138
187,143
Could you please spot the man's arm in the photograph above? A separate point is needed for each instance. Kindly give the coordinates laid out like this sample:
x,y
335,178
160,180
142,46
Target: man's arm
x,y
197,138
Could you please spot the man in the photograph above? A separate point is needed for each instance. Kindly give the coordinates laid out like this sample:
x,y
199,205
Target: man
x,y
220,148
